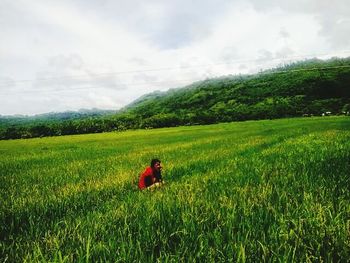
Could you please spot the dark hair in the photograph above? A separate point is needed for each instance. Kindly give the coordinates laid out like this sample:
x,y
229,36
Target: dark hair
x,y
154,161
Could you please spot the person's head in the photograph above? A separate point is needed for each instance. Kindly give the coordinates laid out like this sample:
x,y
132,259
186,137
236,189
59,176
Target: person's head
x,y
155,164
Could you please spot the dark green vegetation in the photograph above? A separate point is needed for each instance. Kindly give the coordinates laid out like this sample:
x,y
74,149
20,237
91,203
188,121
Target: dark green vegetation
x,y
49,124
249,191
306,88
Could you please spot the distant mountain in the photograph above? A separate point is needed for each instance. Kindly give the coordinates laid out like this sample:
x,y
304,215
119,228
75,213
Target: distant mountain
x,y
306,88
55,116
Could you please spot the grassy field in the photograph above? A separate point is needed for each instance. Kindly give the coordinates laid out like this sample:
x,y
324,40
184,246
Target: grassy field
x,y
251,191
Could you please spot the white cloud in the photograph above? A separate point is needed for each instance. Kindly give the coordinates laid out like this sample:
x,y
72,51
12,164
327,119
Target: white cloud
x,y
63,49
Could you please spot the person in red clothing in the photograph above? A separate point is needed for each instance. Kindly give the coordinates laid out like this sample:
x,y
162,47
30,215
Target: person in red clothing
x,y
152,176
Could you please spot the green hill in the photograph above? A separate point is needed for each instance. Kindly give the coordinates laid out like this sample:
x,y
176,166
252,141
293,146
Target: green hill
x,y
307,88
304,88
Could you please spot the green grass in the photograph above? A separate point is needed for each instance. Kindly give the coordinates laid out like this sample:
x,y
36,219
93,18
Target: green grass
x,y
252,191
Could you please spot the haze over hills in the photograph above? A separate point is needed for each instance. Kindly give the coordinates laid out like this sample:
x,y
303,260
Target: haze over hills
x,y
306,88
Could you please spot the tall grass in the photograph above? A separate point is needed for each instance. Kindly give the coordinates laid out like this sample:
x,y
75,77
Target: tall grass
x,y
251,191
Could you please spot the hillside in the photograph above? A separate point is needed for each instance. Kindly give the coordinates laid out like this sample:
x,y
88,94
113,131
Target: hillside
x,y
307,88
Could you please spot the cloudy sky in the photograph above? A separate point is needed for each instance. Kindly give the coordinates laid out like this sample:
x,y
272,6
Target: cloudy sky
x,y
58,55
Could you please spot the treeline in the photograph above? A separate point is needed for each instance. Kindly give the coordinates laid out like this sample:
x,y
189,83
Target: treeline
x,y
65,127
306,88
54,116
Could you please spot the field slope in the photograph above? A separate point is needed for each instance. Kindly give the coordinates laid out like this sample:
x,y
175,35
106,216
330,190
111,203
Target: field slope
x,y
251,191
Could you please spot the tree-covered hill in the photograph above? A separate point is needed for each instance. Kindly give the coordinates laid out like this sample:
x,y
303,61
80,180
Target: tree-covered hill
x,y
304,88
312,87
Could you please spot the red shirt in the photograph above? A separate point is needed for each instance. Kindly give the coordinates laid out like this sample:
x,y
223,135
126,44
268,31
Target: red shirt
x,y
147,178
